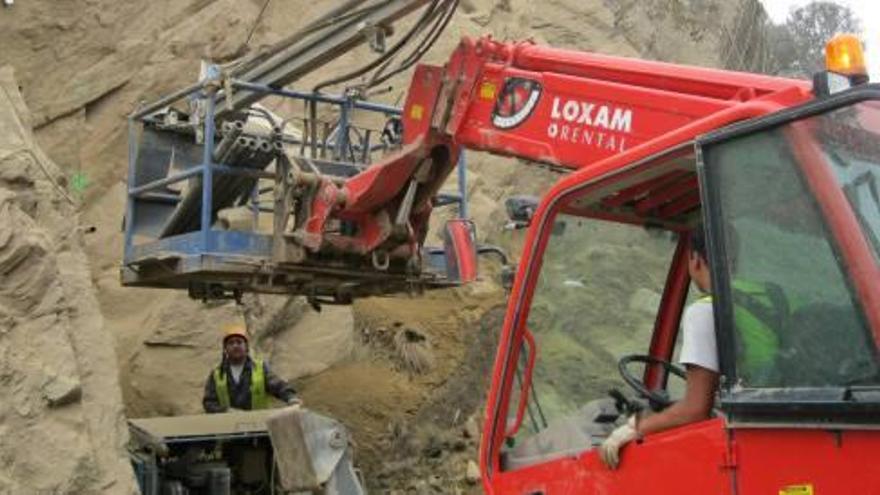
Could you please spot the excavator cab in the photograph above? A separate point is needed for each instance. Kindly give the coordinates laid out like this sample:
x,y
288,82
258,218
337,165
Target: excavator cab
x,y
790,204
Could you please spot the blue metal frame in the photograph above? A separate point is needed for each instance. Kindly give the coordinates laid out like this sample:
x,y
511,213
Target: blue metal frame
x,y
206,241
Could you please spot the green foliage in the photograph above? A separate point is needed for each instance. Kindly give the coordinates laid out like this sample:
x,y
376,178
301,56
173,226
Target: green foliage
x,y
798,46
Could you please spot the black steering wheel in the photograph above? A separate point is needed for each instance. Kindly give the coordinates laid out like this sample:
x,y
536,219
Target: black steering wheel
x,y
658,399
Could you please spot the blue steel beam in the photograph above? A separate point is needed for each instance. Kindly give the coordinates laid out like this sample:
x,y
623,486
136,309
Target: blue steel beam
x,y
320,98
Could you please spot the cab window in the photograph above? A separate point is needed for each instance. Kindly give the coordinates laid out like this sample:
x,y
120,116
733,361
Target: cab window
x,y
596,300
795,318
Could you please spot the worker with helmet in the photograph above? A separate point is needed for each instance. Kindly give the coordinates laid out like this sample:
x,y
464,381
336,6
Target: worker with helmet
x,y
241,382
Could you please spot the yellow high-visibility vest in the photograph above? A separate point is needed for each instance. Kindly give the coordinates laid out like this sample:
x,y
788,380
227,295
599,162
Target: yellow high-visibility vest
x,y
259,400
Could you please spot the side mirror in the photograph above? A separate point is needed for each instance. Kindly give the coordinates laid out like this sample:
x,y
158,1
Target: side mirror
x,y
520,210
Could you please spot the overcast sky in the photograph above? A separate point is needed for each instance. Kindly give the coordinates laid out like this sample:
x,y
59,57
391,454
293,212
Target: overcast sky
x,y
868,12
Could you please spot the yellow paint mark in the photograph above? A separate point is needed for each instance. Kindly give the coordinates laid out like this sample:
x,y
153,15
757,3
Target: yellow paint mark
x,y
797,490
417,112
488,90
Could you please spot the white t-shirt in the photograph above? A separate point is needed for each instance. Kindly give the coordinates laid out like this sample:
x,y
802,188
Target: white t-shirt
x,y
236,370
698,333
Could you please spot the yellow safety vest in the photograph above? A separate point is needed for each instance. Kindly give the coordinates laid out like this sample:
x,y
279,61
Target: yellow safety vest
x,y
259,400
759,340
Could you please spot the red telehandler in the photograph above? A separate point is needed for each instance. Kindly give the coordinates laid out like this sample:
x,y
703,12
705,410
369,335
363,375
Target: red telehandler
x,y
783,174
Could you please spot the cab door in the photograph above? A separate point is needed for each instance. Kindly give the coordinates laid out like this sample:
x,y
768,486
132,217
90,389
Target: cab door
x,y
592,295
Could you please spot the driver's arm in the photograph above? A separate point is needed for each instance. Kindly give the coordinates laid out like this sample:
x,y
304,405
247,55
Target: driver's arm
x,y
696,405
700,356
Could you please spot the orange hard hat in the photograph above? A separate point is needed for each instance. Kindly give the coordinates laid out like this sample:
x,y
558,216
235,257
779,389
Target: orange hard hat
x,y
235,330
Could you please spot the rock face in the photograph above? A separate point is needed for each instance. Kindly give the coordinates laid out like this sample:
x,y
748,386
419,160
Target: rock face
x,y
61,423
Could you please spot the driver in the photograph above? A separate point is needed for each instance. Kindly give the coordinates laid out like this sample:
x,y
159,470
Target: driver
x,y
699,354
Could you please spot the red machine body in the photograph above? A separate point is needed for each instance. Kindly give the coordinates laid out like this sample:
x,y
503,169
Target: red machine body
x,y
627,129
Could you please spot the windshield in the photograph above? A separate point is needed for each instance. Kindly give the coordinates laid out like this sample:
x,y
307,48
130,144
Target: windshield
x,y
850,138
794,315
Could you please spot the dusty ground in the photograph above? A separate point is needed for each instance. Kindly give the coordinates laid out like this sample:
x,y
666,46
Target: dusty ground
x,y
412,401
420,361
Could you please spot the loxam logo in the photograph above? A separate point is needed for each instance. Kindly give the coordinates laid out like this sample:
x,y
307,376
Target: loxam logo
x,y
587,113
515,104
590,124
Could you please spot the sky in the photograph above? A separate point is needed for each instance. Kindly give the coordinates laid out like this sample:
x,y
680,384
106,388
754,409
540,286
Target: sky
x,y
867,11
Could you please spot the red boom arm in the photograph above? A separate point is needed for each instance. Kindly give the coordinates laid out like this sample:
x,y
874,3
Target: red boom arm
x,y
561,108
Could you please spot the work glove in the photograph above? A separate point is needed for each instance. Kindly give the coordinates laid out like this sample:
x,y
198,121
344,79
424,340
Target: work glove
x,y
609,451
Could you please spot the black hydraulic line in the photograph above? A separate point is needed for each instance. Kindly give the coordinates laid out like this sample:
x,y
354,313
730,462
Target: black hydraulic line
x,y
418,26
438,13
345,10
423,47
306,51
339,14
432,35
265,114
492,249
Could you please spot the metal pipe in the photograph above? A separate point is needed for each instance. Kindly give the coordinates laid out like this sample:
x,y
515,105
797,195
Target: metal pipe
x,y
229,156
164,182
406,204
235,152
227,142
243,172
325,138
305,137
207,173
162,197
365,146
341,146
255,203
313,129
163,102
